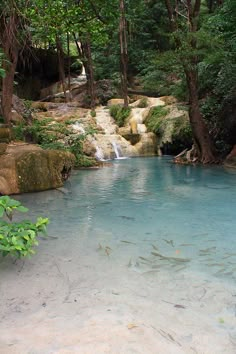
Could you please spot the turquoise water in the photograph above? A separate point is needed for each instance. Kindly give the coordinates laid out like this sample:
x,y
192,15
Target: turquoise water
x,y
140,258
186,212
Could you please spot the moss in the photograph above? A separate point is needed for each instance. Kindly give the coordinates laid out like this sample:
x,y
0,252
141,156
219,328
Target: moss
x,y
42,170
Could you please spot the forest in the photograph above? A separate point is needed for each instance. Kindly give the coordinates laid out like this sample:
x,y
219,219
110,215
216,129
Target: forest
x,y
181,48
118,143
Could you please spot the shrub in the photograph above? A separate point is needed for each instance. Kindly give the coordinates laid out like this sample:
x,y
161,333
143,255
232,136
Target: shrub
x,y
93,113
18,238
154,120
143,103
120,113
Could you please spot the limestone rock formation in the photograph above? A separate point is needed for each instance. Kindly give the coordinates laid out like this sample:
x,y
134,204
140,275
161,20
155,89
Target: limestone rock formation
x,y
28,168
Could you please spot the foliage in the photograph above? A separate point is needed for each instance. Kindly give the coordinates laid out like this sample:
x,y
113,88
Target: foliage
x,y
93,113
85,161
55,136
18,238
143,103
154,120
120,113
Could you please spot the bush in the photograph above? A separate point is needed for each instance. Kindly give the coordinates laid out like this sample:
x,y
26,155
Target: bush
x,y
120,113
56,136
18,238
154,120
143,103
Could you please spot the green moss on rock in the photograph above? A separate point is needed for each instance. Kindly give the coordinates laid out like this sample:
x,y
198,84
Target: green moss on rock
x,y
42,170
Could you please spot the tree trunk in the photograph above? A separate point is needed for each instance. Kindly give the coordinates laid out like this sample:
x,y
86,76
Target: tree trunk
x,y
203,143
88,65
60,55
123,53
7,90
11,50
69,64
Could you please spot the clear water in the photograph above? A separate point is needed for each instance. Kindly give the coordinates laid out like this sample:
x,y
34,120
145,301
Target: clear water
x,y
128,245
177,211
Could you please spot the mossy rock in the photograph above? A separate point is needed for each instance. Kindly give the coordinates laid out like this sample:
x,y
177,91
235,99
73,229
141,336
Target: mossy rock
x,y
42,170
28,168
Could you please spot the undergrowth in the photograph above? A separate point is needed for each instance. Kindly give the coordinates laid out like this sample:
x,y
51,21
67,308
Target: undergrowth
x,y
55,136
120,113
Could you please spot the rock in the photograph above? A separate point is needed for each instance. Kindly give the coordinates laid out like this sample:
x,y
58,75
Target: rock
x,y
147,146
168,100
230,160
88,148
18,105
124,131
5,134
28,168
133,126
16,118
105,144
133,138
3,147
115,101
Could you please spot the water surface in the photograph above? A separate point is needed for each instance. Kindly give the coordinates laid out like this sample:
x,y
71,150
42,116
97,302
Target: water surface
x,y
140,255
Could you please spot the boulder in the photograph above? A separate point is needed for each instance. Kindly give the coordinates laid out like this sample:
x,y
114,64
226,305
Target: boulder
x,y
28,168
230,160
147,145
5,134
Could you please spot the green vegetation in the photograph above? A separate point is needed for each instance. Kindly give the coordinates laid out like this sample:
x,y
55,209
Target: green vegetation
x,y
52,135
188,53
143,103
154,121
120,113
175,130
18,238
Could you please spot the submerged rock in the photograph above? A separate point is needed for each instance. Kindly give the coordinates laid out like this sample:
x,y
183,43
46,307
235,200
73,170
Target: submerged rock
x,y
28,168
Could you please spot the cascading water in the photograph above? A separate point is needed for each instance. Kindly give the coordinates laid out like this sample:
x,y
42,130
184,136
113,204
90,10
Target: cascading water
x,y
118,152
99,154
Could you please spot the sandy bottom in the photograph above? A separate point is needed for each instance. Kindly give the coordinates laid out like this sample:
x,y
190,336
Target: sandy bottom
x,y
89,299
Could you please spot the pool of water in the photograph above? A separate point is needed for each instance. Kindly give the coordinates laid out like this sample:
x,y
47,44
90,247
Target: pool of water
x,y
140,258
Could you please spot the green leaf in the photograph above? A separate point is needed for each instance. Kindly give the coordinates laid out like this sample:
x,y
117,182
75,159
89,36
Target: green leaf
x,y
22,209
2,210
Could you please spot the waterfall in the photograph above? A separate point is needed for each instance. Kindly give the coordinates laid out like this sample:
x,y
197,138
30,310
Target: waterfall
x,y
117,150
99,154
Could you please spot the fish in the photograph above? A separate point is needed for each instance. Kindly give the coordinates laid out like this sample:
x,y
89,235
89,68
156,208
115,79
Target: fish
x,y
126,217
155,247
210,249
170,242
145,259
124,241
186,244
170,258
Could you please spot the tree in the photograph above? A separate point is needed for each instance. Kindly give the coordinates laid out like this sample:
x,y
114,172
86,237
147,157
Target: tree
x,y
10,27
184,22
123,53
